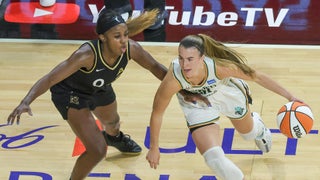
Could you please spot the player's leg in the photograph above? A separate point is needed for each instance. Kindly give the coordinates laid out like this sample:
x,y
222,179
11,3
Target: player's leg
x,y
203,124
252,127
157,32
123,7
208,142
85,128
234,101
109,117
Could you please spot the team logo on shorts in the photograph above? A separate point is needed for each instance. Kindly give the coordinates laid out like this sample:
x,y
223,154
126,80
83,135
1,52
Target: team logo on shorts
x,y
74,100
238,110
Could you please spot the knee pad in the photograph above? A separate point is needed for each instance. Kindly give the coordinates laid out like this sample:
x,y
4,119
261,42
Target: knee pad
x,y
256,130
221,165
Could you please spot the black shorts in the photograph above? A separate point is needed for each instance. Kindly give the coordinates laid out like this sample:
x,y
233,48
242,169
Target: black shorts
x,y
64,99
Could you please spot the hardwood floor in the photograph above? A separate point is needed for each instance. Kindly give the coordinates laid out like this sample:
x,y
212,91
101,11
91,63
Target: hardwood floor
x,y
44,146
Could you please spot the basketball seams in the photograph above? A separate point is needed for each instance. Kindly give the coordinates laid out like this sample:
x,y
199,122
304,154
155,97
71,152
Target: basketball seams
x,y
295,105
295,119
303,123
285,124
290,123
305,110
298,122
305,131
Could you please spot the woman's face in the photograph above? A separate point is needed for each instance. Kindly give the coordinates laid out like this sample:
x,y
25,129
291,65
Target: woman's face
x,y
191,62
116,39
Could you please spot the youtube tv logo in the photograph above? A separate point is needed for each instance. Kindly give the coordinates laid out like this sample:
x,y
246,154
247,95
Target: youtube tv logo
x,y
33,13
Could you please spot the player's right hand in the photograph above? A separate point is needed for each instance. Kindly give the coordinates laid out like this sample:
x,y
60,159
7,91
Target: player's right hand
x,y
16,113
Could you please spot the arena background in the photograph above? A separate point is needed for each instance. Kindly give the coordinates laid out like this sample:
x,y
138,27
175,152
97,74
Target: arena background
x,y
239,21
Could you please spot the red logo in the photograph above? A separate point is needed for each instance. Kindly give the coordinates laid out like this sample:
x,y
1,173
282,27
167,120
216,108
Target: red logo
x,y
33,12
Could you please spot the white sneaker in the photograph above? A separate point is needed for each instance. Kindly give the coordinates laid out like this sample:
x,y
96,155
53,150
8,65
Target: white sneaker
x,y
264,141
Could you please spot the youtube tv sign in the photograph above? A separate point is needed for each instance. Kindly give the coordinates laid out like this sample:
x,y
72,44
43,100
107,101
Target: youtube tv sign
x,y
33,12
238,21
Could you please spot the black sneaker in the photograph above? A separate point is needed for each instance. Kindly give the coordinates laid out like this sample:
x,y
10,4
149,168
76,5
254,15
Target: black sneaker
x,y
125,145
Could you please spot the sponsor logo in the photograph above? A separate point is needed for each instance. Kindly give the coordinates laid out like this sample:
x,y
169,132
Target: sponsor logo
x,y
33,136
33,12
74,100
297,131
199,17
98,70
208,18
211,81
238,110
22,140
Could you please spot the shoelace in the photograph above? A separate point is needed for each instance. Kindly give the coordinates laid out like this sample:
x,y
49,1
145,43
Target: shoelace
x,y
127,139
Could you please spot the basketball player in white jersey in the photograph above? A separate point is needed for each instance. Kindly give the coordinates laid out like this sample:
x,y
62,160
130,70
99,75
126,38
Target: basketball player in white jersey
x,y
217,72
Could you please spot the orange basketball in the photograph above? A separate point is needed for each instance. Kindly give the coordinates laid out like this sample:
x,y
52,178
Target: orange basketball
x,y
295,119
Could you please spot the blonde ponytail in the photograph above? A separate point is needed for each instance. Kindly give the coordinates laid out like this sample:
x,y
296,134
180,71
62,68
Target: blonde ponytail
x,y
224,55
143,21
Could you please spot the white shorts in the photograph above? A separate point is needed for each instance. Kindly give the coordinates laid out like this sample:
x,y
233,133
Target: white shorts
x,y
230,99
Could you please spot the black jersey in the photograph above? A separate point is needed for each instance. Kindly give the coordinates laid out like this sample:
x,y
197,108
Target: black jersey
x,y
99,76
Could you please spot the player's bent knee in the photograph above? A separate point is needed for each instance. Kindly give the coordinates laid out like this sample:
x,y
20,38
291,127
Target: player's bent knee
x,y
114,122
257,129
98,152
221,165
250,135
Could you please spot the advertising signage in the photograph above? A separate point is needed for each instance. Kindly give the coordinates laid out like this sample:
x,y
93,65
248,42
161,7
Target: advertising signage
x,y
239,21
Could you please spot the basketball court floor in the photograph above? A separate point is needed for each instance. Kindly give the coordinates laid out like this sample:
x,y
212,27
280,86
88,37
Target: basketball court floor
x,y
44,147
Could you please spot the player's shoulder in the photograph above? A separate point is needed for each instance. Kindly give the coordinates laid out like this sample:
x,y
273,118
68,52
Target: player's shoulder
x,y
84,53
175,65
134,45
87,48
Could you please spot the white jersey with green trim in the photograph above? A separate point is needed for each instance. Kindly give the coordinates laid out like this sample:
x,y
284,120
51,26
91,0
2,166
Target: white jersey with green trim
x,y
208,86
228,96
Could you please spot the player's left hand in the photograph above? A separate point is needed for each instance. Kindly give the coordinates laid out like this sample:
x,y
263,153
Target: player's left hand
x,y
153,157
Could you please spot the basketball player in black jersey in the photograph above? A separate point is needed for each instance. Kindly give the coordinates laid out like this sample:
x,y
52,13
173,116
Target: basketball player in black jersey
x,y
81,87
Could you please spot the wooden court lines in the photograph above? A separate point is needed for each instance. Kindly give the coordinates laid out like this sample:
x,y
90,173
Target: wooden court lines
x,y
23,63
